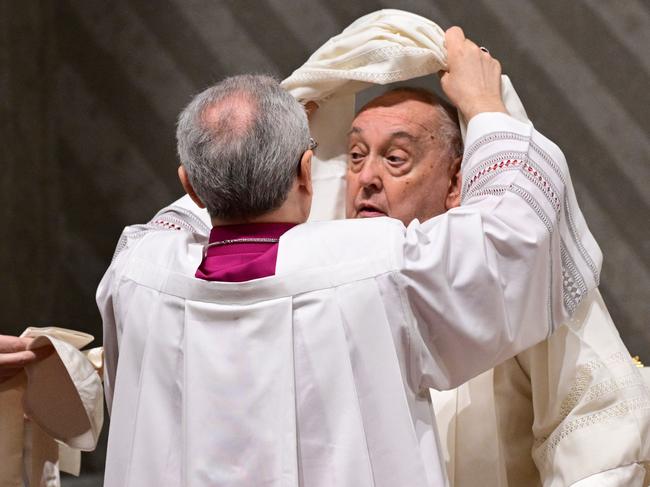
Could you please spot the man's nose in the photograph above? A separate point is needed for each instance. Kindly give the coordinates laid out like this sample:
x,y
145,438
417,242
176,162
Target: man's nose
x,y
370,175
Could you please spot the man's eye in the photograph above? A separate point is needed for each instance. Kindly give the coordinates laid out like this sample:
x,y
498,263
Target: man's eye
x,y
395,160
355,156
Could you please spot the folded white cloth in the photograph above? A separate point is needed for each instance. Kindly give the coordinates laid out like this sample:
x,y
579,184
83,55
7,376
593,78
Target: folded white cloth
x,y
63,398
387,46
64,394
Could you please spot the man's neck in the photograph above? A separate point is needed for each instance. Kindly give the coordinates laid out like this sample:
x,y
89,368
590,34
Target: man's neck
x,y
284,214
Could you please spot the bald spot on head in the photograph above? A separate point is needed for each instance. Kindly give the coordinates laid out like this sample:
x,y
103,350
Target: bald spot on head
x,y
232,116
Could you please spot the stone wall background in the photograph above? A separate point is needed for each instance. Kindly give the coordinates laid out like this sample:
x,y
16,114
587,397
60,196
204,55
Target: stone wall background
x,y
89,92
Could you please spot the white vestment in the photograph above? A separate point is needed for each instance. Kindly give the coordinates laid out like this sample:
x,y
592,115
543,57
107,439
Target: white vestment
x,y
582,380
319,375
567,411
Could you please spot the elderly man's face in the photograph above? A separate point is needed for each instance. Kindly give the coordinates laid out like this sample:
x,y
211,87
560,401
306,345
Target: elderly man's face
x,y
397,166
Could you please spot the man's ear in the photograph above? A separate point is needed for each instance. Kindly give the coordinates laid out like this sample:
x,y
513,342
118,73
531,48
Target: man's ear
x,y
187,186
455,184
304,173
310,108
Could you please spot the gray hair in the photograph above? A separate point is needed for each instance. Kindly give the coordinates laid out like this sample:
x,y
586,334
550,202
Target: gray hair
x,y
449,128
241,142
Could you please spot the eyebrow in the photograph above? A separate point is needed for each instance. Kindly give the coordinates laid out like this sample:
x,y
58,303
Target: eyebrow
x,y
400,134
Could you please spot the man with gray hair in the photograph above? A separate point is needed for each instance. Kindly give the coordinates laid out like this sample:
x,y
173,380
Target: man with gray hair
x,y
253,131
571,410
301,353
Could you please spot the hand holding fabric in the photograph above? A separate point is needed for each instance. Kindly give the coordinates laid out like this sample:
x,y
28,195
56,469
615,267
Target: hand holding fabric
x,y
473,81
14,355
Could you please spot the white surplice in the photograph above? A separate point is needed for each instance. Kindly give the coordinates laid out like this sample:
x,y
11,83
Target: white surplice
x,y
319,375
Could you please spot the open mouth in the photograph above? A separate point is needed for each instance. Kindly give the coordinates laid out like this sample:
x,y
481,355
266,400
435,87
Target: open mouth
x,y
369,211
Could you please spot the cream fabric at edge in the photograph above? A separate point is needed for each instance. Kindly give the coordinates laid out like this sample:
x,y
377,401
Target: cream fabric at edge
x,y
63,397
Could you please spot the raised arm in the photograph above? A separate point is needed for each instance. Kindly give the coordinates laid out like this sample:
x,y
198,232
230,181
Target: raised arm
x,y
497,274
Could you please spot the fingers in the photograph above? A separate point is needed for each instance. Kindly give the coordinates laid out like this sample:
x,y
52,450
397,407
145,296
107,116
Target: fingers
x,y
14,354
455,41
10,344
454,38
17,359
458,45
473,78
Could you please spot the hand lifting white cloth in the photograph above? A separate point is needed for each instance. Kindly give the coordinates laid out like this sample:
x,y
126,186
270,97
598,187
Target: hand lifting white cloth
x,y
379,48
384,47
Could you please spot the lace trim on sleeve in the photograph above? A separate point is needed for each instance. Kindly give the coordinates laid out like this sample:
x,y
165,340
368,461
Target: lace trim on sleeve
x,y
172,218
583,390
637,405
546,174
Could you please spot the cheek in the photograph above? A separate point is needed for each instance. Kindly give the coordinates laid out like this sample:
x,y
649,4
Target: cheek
x,y
402,199
401,195
415,198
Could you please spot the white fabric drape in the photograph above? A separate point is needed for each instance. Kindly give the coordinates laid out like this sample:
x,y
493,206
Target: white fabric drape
x,y
393,45
62,397
564,410
380,48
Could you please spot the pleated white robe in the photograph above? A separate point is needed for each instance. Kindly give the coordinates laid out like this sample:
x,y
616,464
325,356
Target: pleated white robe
x,y
319,375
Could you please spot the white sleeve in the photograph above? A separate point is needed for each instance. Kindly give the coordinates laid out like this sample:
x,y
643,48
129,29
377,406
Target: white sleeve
x,y
496,275
626,476
582,402
182,215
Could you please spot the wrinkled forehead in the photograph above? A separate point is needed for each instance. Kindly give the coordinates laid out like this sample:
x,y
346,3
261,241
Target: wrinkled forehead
x,y
411,117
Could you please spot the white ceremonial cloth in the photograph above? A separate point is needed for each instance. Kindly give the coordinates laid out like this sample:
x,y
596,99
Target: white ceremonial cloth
x,y
61,396
379,48
319,375
392,45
